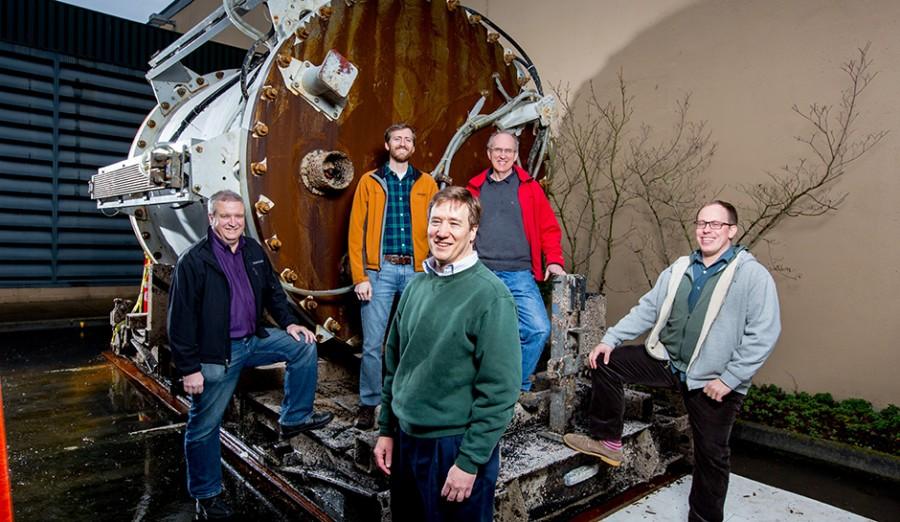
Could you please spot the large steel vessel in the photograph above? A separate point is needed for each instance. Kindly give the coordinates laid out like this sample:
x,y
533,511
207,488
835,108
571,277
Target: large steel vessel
x,y
291,131
296,126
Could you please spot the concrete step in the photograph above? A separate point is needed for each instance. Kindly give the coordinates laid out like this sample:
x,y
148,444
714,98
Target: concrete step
x,y
541,477
528,452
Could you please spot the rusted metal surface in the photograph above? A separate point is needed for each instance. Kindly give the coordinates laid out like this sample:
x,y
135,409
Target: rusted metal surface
x,y
250,463
151,385
247,460
626,498
157,302
418,62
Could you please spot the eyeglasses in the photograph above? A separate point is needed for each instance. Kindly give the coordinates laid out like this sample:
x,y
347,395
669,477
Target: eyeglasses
x,y
506,152
713,225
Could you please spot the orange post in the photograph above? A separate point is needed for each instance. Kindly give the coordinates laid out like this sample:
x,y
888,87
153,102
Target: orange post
x,y
6,513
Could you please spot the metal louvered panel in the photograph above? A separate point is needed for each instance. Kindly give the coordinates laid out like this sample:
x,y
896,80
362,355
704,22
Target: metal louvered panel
x,y
121,180
57,125
72,95
62,28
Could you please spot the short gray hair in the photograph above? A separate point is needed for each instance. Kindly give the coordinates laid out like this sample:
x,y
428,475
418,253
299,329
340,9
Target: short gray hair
x,y
506,132
222,195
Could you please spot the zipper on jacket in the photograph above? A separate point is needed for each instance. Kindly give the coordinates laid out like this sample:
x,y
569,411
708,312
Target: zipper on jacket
x,y
383,184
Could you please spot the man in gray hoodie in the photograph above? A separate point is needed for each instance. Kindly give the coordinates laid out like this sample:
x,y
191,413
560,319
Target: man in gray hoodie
x,y
713,319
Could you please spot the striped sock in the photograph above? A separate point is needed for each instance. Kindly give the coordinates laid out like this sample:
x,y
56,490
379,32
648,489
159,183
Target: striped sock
x,y
615,445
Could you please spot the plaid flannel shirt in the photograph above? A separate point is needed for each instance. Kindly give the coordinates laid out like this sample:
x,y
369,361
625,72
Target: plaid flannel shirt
x,y
397,237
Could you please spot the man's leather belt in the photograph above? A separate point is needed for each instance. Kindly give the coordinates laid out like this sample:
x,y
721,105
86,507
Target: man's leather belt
x,y
398,260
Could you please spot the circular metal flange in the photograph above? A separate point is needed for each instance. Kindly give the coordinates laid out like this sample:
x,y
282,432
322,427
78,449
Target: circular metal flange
x,y
326,171
149,222
420,63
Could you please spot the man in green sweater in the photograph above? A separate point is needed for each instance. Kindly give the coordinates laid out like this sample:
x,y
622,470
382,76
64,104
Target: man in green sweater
x,y
452,376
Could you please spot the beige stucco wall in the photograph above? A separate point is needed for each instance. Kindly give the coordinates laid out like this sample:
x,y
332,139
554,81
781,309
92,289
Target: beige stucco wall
x,y
746,63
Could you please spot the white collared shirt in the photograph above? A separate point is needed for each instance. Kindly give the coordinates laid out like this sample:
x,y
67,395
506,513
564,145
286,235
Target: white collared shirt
x,y
430,266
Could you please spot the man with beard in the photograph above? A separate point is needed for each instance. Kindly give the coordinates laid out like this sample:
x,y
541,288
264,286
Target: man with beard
x,y
387,245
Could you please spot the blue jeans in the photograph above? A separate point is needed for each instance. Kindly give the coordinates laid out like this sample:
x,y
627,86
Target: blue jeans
x,y
201,436
534,325
418,471
387,283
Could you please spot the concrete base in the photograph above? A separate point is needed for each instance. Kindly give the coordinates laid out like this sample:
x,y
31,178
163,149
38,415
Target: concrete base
x,y
835,453
747,501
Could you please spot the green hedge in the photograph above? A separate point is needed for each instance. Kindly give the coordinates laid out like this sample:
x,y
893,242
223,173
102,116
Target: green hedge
x,y
852,421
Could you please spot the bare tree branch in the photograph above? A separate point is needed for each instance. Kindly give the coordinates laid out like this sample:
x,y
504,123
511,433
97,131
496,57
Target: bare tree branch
x,y
601,169
808,187
668,186
588,179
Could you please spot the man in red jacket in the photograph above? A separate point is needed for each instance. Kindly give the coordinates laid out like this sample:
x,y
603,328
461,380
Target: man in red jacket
x,y
519,240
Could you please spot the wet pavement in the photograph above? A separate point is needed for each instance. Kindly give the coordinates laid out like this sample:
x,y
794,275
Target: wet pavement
x,y
866,495
79,445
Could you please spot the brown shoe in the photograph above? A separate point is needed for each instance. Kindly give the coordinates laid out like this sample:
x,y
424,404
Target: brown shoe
x,y
596,448
365,417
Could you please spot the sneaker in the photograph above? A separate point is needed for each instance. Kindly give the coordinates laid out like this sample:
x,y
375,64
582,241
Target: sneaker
x,y
316,421
596,448
213,508
365,417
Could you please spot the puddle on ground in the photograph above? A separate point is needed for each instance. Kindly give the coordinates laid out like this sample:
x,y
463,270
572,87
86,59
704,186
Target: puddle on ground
x,y
861,493
79,449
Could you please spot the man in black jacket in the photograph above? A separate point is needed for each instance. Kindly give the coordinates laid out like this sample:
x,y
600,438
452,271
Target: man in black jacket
x,y
219,290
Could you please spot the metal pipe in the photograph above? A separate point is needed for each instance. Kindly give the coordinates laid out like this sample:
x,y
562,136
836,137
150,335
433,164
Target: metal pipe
x,y
316,293
242,26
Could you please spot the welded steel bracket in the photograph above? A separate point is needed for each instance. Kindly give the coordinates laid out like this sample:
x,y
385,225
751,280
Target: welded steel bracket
x,y
324,86
206,30
542,109
215,164
157,177
288,15
166,175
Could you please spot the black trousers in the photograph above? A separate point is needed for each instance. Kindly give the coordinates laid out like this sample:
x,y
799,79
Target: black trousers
x,y
710,421
419,469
